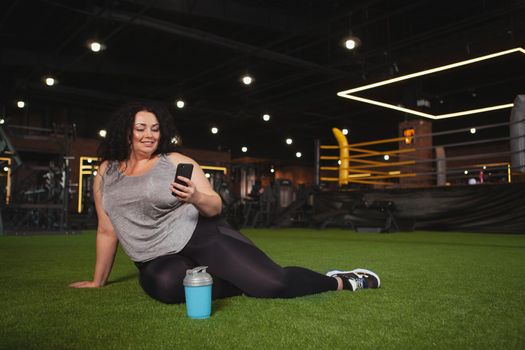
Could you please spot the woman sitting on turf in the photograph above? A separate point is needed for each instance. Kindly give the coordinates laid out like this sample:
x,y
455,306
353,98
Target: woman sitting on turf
x,y
167,228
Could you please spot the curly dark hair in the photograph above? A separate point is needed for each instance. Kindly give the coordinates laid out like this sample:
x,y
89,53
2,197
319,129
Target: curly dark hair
x,y
117,143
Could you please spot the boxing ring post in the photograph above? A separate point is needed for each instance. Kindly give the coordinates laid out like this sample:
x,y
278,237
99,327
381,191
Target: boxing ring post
x,y
8,179
317,152
343,156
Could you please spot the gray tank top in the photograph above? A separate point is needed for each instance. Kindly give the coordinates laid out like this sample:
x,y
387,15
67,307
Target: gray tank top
x,y
149,221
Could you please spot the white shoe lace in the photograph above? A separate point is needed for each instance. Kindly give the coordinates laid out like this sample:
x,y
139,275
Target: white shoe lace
x,y
359,282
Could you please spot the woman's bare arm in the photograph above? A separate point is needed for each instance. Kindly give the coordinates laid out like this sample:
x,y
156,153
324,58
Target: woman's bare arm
x,y
198,190
106,241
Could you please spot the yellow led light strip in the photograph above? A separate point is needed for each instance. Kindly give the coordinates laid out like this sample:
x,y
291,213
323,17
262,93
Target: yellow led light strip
x,y
348,93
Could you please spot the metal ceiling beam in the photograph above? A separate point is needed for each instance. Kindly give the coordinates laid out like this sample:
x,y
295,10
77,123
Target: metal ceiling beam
x,y
80,93
217,40
13,58
239,12
83,94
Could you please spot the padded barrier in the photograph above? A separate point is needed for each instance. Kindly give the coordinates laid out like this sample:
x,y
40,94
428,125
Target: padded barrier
x,y
498,208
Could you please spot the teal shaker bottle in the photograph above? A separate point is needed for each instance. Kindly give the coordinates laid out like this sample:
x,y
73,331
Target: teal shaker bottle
x,y
197,288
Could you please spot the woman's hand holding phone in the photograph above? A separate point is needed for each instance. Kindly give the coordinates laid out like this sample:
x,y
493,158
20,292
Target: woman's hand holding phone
x,y
182,186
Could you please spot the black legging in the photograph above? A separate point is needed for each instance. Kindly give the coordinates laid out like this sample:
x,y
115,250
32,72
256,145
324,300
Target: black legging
x,y
236,264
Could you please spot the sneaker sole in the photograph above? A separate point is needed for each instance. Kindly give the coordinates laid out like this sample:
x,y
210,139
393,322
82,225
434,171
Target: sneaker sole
x,y
356,271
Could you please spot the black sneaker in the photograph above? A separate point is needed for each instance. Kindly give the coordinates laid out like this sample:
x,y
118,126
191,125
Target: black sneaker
x,y
358,278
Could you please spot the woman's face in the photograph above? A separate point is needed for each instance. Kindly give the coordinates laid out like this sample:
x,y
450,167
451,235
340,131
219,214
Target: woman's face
x,y
146,133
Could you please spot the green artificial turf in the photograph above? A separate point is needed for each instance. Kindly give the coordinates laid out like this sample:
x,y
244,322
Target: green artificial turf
x,y
439,290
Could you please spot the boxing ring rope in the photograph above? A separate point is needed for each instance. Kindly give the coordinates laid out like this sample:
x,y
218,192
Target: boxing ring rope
x,y
357,164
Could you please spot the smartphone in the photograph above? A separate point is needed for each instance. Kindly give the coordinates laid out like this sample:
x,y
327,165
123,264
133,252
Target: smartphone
x,y
183,169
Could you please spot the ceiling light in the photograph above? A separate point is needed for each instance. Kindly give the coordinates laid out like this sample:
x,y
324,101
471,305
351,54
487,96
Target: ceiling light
x,y
484,167
339,162
214,130
272,170
352,42
289,141
266,117
208,175
465,172
473,130
247,79
180,104
2,121
50,81
102,133
345,131
298,154
6,169
348,93
175,140
244,149
386,157
95,46
95,173
20,104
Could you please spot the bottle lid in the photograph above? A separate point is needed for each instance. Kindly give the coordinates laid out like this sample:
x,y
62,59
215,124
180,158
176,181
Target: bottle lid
x,y
197,277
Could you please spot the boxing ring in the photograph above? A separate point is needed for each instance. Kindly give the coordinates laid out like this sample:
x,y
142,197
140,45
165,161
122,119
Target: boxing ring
x,y
417,181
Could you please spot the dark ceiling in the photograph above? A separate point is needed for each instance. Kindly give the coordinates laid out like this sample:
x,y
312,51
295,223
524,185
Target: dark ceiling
x,y
197,50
